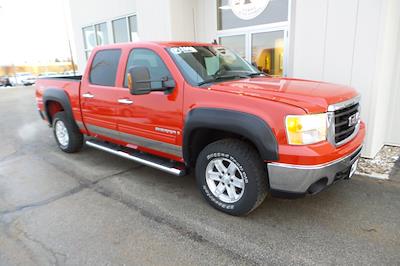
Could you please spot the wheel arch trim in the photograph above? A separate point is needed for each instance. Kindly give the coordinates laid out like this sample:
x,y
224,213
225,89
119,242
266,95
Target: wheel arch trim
x,y
247,125
62,98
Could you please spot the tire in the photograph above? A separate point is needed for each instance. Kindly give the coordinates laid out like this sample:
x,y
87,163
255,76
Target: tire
x,y
247,181
73,138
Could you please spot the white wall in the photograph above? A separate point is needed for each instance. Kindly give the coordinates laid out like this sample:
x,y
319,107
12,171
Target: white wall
x,y
166,20
350,42
154,20
365,60
158,20
341,24
88,12
393,132
206,20
193,20
183,26
385,89
308,38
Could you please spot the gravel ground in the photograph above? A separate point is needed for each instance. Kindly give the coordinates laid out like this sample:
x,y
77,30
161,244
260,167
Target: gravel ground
x,y
92,208
382,165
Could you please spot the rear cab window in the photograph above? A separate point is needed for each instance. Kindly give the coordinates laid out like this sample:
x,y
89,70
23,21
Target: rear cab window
x,y
103,70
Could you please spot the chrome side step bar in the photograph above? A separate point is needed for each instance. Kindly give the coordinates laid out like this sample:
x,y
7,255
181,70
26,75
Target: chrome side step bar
x,y
142,158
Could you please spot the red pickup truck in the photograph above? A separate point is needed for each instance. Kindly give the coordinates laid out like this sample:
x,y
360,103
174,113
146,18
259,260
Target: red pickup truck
x,y
178,106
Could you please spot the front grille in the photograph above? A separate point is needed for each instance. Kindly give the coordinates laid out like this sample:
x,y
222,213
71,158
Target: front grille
x,y
344,129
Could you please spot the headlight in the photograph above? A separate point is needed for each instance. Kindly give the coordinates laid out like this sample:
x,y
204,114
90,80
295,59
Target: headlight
x,y
306,129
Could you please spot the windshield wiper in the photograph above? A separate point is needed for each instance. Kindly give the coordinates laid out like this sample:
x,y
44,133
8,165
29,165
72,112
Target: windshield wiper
x,y
254,74
216,78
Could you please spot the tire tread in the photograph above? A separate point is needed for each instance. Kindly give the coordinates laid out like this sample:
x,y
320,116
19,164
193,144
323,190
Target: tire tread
x,y
250,155
75,136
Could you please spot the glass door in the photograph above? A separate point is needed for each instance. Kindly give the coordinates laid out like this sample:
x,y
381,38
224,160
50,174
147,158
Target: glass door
x,y
263,47
235,42
257,30
267,52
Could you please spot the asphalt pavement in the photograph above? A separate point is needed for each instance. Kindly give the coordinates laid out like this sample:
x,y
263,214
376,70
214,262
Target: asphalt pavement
x,y
92,208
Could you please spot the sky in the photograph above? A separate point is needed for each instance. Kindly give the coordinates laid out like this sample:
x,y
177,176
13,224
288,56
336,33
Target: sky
x,y
32,31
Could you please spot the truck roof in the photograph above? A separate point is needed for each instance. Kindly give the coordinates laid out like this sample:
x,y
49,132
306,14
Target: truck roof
x,y
149,44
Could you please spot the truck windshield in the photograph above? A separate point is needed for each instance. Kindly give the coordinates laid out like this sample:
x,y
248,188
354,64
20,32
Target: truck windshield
x,y
207,64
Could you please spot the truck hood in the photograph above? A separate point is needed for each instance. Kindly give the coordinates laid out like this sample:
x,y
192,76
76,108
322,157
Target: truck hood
x,y
312,96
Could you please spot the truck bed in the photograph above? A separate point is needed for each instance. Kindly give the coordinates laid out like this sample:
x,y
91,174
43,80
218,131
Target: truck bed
x,y
48,87
71,78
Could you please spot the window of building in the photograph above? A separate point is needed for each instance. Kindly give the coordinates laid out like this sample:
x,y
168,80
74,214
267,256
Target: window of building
x,y
133,29
257,30
103,70
93,36
125,29
149,59
101,33
119,30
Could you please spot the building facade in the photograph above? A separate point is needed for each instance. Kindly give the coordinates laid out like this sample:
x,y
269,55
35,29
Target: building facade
x,y
350,42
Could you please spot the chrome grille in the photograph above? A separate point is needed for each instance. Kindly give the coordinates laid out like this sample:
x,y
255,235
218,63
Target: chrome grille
x,y
345,121
343,126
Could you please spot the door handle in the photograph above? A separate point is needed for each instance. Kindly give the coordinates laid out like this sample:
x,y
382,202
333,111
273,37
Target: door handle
x,y
125,101
87,95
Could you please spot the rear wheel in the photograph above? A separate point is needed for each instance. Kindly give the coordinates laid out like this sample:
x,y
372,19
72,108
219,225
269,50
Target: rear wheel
x,y
67,134
231,176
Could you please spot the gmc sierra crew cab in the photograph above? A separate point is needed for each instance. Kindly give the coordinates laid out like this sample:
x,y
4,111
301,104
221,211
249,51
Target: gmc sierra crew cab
x,y
180,106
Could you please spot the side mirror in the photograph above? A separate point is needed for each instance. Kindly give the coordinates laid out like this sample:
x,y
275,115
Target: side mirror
x,y
140,82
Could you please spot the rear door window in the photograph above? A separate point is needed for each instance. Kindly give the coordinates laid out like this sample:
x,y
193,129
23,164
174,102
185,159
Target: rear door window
x,y
104,67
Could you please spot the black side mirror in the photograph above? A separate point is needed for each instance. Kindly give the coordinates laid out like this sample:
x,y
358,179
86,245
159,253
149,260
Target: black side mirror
x,y
140,82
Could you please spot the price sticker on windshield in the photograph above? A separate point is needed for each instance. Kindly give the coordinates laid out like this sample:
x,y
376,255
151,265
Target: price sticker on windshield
x,y
183,49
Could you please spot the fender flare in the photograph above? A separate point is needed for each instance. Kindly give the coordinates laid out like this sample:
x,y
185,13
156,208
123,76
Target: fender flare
x,y
247,125
62,98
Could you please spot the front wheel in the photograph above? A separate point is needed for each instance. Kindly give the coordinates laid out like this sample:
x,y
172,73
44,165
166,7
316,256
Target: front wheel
x,y
231,176
66,133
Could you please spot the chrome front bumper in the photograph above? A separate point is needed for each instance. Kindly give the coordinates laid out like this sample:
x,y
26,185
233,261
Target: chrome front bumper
x,y
299,179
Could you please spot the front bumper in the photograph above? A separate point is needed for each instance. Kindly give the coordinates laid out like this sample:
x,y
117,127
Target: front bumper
x,y
300,179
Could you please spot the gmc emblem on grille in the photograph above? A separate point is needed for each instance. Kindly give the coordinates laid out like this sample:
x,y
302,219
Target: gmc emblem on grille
x,y
353,119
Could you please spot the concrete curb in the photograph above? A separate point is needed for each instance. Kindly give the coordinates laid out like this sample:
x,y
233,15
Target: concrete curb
x,y
374,175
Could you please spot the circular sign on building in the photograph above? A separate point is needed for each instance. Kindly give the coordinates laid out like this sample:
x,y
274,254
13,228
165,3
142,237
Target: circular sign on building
x,y
248,9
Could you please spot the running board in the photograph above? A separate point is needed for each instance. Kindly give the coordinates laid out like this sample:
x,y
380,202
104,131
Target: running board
x,y
139,157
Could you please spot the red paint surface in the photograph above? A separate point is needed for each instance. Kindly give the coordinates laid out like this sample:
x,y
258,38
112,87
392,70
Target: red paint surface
x,y
268,98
